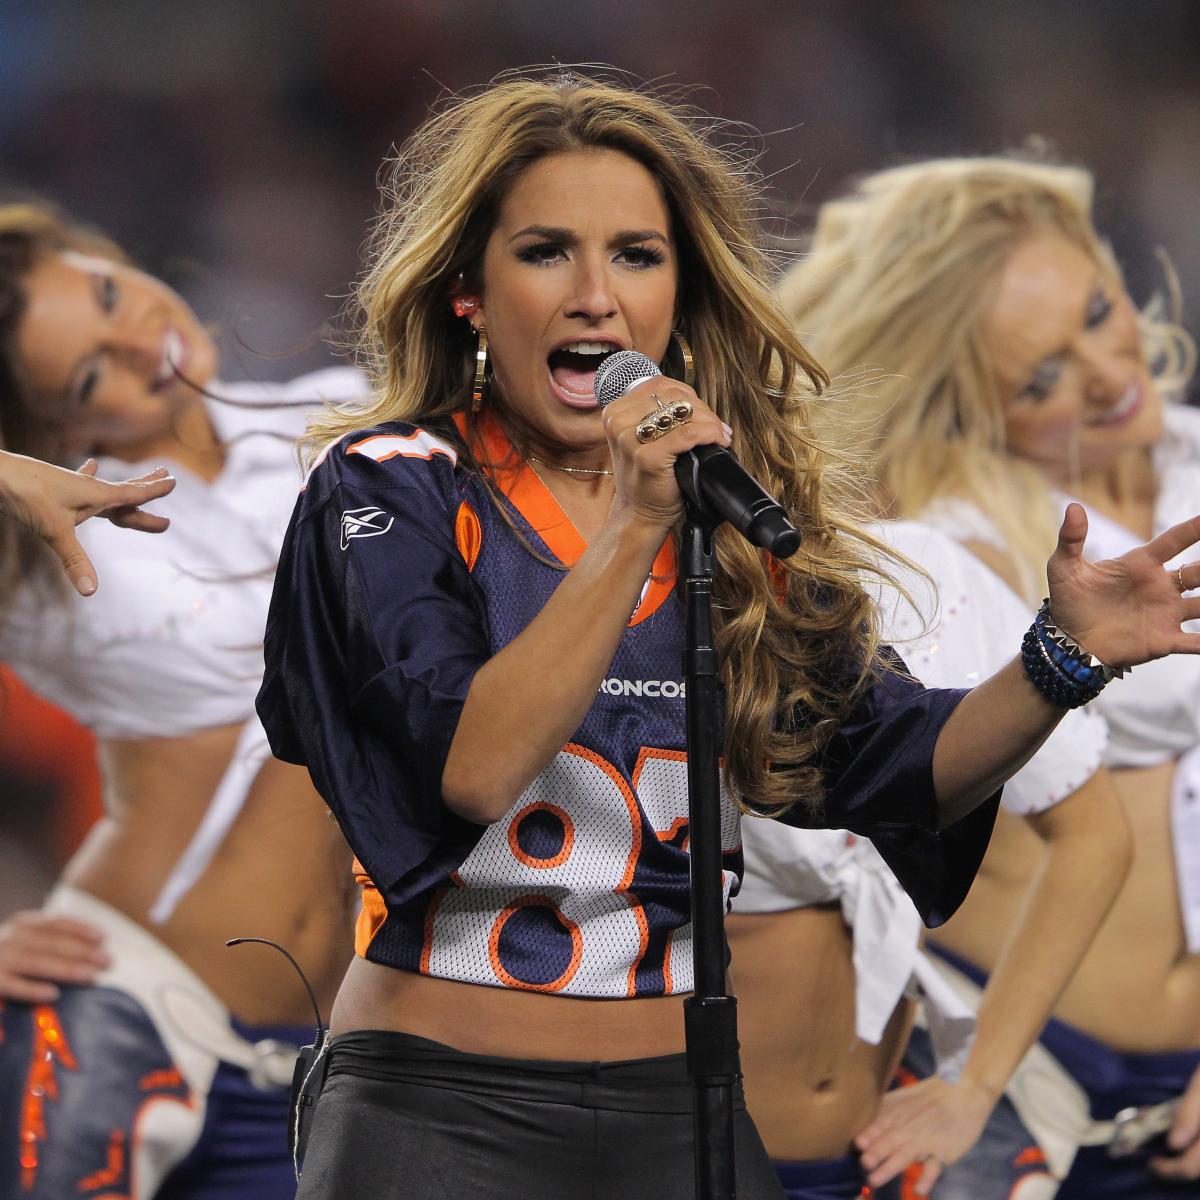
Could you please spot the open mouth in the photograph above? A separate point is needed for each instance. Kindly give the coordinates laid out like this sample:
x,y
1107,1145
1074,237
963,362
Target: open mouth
x,y
573,368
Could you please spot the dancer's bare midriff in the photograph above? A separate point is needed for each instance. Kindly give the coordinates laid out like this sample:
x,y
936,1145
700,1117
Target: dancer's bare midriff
x,y
1137,989
811,1083
282,872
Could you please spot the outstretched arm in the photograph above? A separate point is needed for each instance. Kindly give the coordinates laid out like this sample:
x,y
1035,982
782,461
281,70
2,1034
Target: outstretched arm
x,y
51,501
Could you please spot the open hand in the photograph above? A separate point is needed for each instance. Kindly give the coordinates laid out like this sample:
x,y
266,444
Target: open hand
x,y
1125,610
933,1122
51,501
38,951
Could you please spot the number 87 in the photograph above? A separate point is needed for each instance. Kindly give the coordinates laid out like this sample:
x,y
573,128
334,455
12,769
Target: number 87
x,y
545,901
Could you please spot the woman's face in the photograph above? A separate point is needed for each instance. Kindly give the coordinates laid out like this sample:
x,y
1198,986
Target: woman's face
x,y
103,348
1064,339
581,262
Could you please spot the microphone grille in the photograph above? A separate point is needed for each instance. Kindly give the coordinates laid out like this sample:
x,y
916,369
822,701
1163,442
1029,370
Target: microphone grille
x,y
621,371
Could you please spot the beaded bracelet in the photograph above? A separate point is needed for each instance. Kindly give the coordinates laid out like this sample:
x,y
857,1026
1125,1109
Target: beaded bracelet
x,y
1059,667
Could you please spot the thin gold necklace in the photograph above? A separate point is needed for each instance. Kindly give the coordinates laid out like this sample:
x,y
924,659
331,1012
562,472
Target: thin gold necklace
x,y
541,462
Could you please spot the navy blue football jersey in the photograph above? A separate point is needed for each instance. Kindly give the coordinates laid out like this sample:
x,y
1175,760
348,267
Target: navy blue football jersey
x,y
400,576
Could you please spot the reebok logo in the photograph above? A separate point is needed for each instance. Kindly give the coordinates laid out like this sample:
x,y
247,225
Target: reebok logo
x,y
666,689
364,522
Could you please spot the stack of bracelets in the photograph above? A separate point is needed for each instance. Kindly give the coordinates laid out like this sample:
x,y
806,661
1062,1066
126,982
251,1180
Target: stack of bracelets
x,y
1059,667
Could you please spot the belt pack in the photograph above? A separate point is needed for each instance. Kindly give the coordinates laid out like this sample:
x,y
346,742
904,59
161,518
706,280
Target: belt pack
x,y
308,1081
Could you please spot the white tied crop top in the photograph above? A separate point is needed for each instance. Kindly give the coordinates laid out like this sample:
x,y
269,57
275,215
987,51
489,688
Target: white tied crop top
x,y
171,642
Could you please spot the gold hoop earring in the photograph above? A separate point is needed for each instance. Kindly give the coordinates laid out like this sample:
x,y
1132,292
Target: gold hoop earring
x,y
685,352
481,358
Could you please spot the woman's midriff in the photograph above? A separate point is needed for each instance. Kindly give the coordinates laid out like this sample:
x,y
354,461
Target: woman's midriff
x,y
506,1022
1137,990
811,1083
282,872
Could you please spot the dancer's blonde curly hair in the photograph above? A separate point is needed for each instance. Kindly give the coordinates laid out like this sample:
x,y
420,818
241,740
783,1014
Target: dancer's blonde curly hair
x,y
891,294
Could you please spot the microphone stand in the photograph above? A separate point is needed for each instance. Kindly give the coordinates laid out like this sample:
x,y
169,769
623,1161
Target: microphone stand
x,y
710,1016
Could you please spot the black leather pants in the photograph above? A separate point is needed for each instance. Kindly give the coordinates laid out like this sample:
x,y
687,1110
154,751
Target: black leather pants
x,y
403,1117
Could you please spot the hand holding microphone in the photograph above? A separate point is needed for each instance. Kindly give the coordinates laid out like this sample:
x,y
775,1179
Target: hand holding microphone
x,y
711,479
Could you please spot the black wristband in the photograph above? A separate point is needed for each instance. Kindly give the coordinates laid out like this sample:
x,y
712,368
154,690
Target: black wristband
x,y
1062,670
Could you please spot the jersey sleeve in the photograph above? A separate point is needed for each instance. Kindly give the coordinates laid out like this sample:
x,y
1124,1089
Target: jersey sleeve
x,y
878,771
374,634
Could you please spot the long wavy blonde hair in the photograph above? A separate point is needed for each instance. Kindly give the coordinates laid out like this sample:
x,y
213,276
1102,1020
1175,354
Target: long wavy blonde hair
x,y
891,294
797,642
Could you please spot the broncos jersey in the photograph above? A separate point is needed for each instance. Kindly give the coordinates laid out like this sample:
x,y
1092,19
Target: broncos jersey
x,y
401,574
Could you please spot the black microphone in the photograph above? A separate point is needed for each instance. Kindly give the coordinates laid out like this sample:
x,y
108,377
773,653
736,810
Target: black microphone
x,y
710,477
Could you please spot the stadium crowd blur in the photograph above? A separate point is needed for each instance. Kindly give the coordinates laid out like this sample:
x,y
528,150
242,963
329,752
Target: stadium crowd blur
x,y
232,148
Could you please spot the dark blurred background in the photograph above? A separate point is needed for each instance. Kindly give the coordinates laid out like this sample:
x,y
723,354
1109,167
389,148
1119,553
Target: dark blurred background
x,y
232,146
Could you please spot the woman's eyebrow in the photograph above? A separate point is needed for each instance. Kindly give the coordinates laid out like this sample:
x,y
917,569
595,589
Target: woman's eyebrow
x,y
549,232
568,237
639,235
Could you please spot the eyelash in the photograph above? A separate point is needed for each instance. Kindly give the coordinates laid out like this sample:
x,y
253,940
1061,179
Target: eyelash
x,y
645,256
638,257
87,386
540,253
1037,392
1098,310
106,297
108,293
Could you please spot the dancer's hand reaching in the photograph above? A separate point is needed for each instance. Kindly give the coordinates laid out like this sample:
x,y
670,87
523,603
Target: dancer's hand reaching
x,y
1125,610
39,951
51,501
1183,1138
933,1122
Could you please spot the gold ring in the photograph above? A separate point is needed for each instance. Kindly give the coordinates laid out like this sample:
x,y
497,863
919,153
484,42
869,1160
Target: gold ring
x,y
1179,576
663,419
